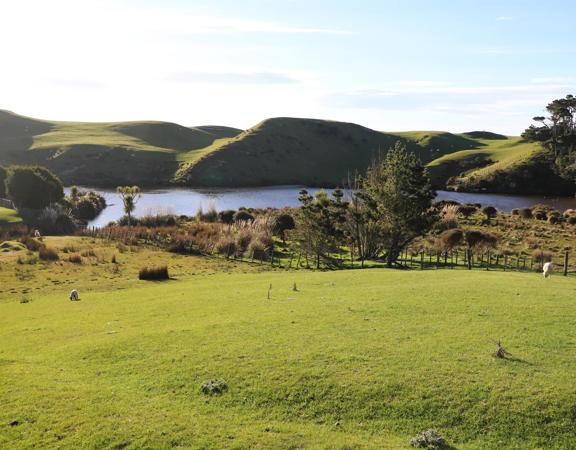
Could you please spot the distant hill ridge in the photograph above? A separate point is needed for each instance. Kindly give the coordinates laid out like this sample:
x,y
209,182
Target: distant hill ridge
x,y
276,151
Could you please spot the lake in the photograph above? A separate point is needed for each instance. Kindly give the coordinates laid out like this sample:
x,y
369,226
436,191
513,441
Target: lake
x,y
188,201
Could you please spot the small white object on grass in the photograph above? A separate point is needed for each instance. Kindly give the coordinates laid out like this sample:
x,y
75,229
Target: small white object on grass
x,y
547,269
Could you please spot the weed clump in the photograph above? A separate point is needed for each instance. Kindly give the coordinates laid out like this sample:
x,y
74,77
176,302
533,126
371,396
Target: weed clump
x,y
214,387
428,439
48,254
154,273
501,352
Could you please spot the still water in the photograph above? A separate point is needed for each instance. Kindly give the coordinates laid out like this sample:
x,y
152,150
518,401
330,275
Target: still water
x,y
188,201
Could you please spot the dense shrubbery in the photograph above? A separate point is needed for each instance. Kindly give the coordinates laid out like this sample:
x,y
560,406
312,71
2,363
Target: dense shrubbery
x,y
154,273
56,220
33,187
85,205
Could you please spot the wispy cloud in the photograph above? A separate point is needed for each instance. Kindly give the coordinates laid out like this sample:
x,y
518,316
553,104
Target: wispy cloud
x,y
504,18
445,97
232,77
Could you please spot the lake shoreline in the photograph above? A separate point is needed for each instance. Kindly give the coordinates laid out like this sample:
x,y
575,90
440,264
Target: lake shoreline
x,y
186,201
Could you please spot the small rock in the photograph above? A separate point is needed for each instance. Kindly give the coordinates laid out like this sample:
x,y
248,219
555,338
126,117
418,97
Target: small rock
x,y
428,439
14,423
214,387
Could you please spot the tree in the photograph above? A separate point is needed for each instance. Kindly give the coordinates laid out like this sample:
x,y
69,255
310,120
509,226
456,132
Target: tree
x,y
557,133
283,223
130,196
3,175
319,230
399,196
33,187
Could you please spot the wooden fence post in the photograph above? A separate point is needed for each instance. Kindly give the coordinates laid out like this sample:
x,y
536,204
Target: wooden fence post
x,y
566,263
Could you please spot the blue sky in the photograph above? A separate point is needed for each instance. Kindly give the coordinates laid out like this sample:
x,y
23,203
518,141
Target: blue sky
x,y
389,64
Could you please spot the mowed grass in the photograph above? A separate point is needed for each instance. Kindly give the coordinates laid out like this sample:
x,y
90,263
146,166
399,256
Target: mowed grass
x,y
9,216
352,359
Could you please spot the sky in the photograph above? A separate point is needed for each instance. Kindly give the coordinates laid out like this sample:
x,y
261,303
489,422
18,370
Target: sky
x,y
391,65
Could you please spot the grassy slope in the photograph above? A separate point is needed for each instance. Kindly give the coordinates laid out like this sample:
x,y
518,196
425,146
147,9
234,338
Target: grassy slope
x,y
305,151
146,153
355,359
276,151
8,216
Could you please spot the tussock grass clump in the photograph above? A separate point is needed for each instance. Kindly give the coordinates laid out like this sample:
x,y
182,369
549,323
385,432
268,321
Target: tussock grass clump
x,y
31,243
525,213
214,387
428,439
154,273
48,254
88,253
75,259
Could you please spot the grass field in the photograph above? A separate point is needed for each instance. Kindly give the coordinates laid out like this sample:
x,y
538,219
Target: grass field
x,y
9,216
352,359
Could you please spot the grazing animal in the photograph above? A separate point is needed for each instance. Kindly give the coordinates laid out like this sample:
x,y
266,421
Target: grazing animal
x,y
74,295
547,269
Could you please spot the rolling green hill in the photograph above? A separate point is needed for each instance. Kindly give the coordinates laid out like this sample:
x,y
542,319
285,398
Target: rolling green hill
x,y
276,151
104,154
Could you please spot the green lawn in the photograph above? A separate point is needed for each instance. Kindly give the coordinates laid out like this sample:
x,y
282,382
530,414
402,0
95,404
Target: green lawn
x,y
8,216
353,359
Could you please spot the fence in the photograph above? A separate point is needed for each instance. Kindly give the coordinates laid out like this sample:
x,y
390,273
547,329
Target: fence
x,y
428,259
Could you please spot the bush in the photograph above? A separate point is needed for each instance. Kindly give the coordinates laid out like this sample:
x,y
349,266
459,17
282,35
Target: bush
x,y
490,212
48,254
226,246
31,243
258,250
475,238
154,273
33,187
554,217
450,238
467,210
571,220
283,223
243,216
226,216
75,259
213,387
515,211
157,221
56,220
525,213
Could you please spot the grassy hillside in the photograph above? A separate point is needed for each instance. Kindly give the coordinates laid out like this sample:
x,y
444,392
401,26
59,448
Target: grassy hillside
x,y
306,151
8,216
146,153
275,152
508,165
353,359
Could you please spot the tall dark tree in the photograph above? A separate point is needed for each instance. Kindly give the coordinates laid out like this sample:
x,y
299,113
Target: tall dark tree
x,y
319,229
33,187
557,132
398,195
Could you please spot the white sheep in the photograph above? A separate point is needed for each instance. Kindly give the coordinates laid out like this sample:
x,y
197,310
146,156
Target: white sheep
x,y
547,269
74,295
